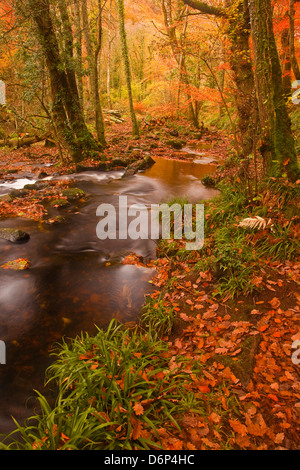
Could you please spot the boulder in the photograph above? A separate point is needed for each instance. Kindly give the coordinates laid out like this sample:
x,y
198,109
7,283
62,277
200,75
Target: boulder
x,y
176,144
13,235
140,165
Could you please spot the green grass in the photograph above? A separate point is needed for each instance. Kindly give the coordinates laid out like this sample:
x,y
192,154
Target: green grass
x,y
157,318
117,391
101,379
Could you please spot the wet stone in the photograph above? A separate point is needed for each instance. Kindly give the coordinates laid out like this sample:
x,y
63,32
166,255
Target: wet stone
x,y
13,235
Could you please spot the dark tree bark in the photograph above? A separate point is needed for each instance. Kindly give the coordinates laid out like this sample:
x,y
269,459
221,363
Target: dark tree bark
x,y
286,62
278,146
67,111
242,66
294,63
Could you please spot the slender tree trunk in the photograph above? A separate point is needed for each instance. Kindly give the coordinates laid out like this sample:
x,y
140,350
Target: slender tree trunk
x,y
278,147
67,111
294,63
92,55
109,57
286,62
135,127
179,56
78,51
236,13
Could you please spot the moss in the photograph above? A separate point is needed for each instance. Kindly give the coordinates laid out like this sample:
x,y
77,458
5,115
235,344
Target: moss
x,y
59,203
176,144
73,193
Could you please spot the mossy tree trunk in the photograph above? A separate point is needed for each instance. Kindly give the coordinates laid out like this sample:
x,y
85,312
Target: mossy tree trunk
x,y
78,51
93,47
123,37
67,111
278,146
241,63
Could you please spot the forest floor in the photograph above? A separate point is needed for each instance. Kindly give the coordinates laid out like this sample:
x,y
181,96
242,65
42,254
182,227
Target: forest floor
x,y
243,343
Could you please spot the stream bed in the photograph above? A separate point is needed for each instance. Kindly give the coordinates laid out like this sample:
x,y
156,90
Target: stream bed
x,y
75,280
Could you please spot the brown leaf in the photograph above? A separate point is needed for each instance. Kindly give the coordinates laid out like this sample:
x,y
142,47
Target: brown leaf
x,y
137,428
238,427
275,302
138,409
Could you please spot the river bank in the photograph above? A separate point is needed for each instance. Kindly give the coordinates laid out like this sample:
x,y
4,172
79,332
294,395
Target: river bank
x,y
209,365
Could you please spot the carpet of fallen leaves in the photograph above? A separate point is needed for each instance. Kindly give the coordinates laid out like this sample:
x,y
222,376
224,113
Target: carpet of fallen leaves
x,y
211,332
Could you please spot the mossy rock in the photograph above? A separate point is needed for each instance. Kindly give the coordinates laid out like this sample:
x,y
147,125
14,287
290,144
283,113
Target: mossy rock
x,y
174,133
198,135
72,194
59,203
208,180
35,186
119,162
13,235
18,193
139,165
175,144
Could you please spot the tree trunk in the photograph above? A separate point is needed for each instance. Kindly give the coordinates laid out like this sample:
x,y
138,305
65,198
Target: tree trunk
x,y
294,63
278,146
286,62
236,13
109,57
67,111
179,56
92,55
78,51
241,64
135,127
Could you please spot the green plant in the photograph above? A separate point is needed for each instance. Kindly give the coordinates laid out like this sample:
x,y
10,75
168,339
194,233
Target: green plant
x,y
283,244
156,317
115,390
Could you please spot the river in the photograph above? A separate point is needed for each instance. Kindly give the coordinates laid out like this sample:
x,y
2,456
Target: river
x,y
75,280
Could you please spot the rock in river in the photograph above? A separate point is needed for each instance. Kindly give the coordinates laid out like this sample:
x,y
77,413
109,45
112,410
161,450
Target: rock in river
x,y
13,235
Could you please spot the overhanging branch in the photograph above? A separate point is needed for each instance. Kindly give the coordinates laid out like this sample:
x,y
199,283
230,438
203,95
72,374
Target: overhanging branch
x,y
205,8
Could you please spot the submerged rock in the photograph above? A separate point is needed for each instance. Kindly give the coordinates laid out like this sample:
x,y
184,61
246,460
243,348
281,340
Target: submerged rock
x,y
13,235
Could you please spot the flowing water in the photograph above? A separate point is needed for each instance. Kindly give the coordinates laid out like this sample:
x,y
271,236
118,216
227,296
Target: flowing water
x,y
76,281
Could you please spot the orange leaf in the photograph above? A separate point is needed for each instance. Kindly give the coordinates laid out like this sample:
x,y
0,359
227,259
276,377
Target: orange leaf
x,y
263,328
272,397
138,409
238,427
204,388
